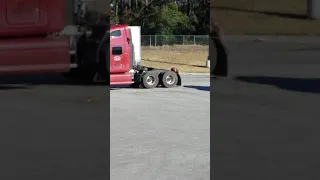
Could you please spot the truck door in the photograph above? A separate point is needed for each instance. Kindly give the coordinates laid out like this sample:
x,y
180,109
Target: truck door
x,y
119,55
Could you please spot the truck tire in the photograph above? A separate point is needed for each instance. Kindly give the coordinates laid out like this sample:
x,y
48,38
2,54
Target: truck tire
x,y
169,79
150,79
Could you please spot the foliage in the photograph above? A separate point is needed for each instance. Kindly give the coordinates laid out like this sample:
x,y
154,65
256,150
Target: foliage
x,y
163,17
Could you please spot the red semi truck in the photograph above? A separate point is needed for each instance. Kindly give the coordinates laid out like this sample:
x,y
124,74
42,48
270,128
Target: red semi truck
x,y
34,39
125,57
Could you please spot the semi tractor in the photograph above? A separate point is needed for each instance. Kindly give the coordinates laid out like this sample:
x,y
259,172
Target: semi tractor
x,y
34,39
125,58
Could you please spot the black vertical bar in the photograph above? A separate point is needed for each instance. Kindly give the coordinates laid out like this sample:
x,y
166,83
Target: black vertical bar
x,y
313,9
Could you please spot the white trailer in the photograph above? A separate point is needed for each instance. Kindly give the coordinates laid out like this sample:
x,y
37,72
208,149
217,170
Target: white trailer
x,y
135,34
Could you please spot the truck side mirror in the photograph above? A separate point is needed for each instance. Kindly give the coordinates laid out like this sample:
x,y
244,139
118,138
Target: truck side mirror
x,y
128,39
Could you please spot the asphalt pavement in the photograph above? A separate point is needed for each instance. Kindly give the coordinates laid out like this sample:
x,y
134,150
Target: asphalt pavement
x,y
265,118
50,130
161,134
54,130
264,123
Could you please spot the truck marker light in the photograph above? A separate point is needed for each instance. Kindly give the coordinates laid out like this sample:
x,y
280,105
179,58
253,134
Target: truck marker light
x,y
174,69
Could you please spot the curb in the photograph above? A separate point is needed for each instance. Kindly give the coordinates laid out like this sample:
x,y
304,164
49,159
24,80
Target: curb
x,y
196,74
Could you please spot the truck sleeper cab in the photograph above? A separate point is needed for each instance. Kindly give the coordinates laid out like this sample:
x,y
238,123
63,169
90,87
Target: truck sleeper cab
x,y
125,68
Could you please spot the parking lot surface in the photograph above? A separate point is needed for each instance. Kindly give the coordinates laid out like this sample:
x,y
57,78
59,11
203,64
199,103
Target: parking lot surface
x,y
161,133
264,123
50,130
265,116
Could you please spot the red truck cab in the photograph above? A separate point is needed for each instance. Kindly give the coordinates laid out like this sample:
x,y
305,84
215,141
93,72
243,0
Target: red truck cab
x,y
120,55
25,44
125,68
31,17
120,49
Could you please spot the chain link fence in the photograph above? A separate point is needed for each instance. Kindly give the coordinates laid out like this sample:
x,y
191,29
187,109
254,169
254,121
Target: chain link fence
x,y
160,40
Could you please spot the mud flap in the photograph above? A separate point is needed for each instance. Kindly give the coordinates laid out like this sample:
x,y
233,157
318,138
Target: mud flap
x,y
174,69
218,58
179,80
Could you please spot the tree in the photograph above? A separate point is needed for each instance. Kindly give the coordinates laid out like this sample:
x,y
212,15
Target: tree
x,y
168,17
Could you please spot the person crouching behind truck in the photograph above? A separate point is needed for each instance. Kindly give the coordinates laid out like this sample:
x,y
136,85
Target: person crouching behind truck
x,y
220,68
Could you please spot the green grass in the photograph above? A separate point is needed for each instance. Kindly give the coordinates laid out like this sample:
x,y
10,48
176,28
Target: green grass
x,y
281,17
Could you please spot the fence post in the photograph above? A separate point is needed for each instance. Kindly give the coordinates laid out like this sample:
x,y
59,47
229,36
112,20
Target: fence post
x,y
150,41
194,40
182,39
155,40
